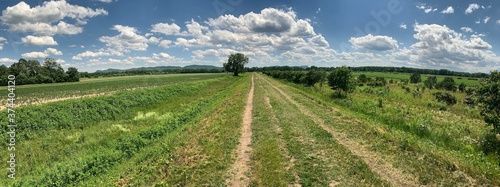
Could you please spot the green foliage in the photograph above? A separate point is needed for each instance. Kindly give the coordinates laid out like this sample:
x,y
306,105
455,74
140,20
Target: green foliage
x,y
73,75
379,82
448,83
488,95
462,87
415,78
312,77
83,112
235,63
31,72
362,78
431,82
340,79
446,97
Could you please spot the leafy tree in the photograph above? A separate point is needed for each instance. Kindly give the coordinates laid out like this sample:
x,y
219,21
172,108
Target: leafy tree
x,y
488,94
235,63
312,77
431,82
4,72
33,68
54,70
362,78
340,79
447,83
415,78
73,75
19,67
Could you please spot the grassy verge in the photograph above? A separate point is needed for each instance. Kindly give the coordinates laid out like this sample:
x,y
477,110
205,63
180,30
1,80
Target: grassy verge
x,y
437,152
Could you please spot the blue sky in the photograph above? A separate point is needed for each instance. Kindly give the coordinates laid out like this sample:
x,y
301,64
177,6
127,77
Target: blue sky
x,y
100,34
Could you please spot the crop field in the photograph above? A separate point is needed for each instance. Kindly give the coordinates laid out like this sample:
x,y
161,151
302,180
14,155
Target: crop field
x,y
249,130
42,93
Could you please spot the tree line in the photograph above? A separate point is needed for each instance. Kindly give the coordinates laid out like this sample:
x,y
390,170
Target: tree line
x,y
32,72
443,72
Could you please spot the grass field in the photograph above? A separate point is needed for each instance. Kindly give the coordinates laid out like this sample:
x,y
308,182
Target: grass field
x,y
190,130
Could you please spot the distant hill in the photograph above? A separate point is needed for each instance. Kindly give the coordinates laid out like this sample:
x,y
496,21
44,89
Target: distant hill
x,y
159,68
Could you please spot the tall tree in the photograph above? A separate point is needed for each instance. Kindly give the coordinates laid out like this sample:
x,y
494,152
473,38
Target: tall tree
x,y
73,75
19,67
54,70
235,63
340,79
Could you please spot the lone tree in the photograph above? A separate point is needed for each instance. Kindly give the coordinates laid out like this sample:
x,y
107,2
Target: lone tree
x,y
235,63
340,79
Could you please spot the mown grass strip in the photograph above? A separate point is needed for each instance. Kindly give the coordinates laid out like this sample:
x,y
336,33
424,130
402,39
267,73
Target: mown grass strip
x,y
270,163
320,159
195,154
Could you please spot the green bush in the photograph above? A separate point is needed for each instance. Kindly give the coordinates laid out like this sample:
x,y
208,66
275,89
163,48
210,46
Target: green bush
x,y
446,97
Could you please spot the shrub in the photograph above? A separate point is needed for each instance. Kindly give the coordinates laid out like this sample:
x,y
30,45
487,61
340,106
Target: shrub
x,y
447,83
415,78
430,82
461,87
470,101
362,78
446,97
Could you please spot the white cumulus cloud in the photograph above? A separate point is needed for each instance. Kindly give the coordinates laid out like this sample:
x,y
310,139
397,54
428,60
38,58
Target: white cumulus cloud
x,y
47,53
448,10
127,40
7,60
47,19
471,8
466,29
167,29
377,43
439,46
2,42
402,25
38,40
486,19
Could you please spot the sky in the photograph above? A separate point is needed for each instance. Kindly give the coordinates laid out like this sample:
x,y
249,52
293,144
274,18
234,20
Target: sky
x,y
100,34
